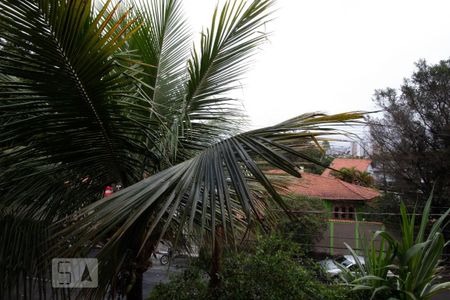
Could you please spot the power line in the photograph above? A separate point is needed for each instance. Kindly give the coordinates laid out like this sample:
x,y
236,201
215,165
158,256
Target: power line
x,y
357,213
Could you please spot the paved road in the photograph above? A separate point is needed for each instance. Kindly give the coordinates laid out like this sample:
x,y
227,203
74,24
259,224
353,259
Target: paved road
x,y
443,296
160,274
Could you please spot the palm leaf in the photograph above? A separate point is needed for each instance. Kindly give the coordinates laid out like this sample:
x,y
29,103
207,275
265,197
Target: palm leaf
x,y
69,123
97,94
64,110
215,68
162,45
212,189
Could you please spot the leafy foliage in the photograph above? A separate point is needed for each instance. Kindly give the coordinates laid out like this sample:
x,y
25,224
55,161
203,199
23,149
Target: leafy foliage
x,y
411,137
386,202
408,268
270,272
306,228
354,176
93,93
318,153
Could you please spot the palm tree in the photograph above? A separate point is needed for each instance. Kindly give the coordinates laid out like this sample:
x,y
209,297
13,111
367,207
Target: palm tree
x,y
352,175
93,94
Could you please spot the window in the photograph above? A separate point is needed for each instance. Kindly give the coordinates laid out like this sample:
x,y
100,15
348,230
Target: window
x,y
351,213
336,212
344,212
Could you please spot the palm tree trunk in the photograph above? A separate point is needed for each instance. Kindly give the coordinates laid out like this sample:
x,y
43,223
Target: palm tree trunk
x,y
142,261
136,292
216,267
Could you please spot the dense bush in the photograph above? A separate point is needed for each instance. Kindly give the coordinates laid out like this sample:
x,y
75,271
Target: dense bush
x,y
386,203
351,175
406,268
191,284
274,271
308,227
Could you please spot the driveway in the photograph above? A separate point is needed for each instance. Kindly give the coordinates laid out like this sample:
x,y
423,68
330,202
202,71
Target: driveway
x,y
161,274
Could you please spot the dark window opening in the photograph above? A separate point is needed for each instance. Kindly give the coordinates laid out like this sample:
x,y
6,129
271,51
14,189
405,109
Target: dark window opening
x,y
351,213
344,212
336,212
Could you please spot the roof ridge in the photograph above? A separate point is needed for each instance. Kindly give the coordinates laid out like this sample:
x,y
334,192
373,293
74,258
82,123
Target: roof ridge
x,y
354,188
360,164
331,188
345,184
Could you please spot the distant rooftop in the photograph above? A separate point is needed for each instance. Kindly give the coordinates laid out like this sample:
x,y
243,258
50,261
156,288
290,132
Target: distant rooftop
x,y
361,165
327,187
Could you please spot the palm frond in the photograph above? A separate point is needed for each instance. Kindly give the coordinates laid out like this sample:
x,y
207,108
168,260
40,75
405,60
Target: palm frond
x,y
96,94
215,69
162,43
62,99
69,123
220,187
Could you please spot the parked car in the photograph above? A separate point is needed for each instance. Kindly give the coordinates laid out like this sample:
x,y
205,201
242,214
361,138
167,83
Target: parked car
x,y
346,261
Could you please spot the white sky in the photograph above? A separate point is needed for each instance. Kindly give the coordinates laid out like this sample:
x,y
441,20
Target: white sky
x,y
330,55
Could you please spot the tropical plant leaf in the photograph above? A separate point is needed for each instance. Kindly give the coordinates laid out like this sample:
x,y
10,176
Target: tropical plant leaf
x,y
413,259
195,197
62,99
424,220
93,94
162,43
436,289
215,69
69,124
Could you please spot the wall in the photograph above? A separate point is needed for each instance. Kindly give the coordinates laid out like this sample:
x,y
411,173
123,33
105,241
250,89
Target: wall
x,y
342,231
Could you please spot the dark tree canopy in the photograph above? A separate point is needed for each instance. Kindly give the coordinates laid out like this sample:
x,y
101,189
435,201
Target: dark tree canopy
x,y
354,176
411,138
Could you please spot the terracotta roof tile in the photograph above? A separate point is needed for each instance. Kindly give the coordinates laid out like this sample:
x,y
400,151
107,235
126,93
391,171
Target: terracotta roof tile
x,y
338,163
329,188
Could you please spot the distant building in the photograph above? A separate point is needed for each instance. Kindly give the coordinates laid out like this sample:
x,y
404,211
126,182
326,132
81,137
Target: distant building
x,y
354,149
360,148
343,202
338,150
362,165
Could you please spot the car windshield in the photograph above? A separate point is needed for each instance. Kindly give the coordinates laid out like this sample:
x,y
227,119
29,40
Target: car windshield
x,y
343,261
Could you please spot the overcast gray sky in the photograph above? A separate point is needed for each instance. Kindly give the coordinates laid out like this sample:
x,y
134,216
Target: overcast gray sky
x,y
330,55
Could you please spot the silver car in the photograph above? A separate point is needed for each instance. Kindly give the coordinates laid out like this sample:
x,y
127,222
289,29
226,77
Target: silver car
x,y
347,261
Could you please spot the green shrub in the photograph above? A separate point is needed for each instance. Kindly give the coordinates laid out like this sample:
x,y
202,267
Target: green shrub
x,y
308,228
191,284
272,271
387,202
406,268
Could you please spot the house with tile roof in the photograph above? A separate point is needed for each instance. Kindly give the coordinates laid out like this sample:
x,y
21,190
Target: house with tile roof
x,y
343,201
361,165
331,188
